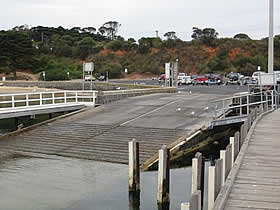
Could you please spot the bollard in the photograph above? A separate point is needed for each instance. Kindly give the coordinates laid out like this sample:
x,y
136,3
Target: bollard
x,y
214,182
133,166
163,175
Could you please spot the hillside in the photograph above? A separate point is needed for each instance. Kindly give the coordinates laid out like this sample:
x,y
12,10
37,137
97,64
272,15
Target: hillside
x,y
57,51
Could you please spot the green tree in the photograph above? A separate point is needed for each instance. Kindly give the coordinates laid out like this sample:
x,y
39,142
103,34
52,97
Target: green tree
x,y
207,35
170,35
85,47
17,47
241,36
110,29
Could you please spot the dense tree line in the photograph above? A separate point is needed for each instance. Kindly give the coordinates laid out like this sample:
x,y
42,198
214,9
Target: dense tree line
x,y
58,51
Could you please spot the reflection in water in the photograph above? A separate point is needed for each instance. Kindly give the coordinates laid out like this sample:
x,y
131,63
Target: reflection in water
x,y
71,184
163,206
134,200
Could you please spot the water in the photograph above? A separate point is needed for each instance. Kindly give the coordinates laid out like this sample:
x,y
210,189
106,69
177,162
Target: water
x,y
64,183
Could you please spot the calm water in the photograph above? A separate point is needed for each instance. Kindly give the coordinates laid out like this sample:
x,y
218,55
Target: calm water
x,y
64,183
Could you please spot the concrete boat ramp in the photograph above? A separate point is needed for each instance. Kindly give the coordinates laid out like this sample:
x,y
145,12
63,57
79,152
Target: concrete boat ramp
x,y
103,133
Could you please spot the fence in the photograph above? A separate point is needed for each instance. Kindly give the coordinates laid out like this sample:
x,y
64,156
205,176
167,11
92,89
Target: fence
x,y
20,100
244,102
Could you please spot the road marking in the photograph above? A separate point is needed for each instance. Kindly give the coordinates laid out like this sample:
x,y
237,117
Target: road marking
x,y
129,121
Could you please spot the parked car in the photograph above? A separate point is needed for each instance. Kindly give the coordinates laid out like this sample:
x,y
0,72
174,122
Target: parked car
x,y
249,81
233,79
214,79
161,78
201,80
89,78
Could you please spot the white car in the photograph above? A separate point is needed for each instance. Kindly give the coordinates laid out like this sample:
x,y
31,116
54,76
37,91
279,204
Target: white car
x,y
89,78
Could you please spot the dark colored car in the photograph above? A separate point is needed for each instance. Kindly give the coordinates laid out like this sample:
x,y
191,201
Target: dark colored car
x,y
249,81
233,78
214,79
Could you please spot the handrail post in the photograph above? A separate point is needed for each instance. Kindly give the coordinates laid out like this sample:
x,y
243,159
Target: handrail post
x,y
240,102
272,99
65,100
26,100
41,101
13,101
224,109
53,101
248,104
76,95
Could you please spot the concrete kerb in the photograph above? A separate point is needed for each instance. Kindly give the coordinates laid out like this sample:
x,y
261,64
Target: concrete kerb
x,y
17,132
226,189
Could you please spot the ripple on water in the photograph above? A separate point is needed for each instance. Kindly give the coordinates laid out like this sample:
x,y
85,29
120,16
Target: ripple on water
x,y
64,183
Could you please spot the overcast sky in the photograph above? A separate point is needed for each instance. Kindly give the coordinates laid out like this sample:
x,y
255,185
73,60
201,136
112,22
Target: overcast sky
x,y
141,18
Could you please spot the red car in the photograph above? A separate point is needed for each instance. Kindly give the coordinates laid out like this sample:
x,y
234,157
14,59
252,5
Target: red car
x,y
201,80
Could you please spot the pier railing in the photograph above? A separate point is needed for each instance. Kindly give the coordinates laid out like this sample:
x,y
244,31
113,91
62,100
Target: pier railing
x,y
36,99
244,102
222,172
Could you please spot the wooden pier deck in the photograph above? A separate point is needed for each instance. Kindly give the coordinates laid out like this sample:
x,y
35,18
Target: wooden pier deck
x,y
257,184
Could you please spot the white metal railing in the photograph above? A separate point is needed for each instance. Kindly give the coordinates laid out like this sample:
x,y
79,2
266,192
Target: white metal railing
x,y
266,99
36,99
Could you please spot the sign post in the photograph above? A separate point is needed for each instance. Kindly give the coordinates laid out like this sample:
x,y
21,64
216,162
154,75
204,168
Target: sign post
x,y
167,73
88,69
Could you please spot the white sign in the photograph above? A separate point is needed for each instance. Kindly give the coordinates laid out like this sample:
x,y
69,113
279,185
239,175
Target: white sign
x,y
167,70
125,70
88,67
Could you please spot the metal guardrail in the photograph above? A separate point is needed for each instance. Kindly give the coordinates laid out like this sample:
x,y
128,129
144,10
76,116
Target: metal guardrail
x,y
264,99
35,99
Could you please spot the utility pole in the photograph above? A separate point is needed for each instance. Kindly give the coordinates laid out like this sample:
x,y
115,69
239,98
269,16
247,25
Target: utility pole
x,y
156,33
270,44
42,36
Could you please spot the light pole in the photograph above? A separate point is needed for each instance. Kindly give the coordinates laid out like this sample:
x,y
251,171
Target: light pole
x,y
270,44
44,75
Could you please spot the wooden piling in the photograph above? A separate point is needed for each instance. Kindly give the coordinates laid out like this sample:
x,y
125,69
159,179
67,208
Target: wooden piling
x,y
198,174
163,176
133,166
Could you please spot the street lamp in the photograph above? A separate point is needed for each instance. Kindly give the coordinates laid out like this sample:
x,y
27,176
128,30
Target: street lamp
x,y
270,44
44,75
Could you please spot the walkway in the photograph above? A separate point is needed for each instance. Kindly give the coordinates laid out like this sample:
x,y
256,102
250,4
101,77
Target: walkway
x,y
257,185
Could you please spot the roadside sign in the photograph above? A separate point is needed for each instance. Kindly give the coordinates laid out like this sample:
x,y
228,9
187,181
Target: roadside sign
x,y
167,70
88,67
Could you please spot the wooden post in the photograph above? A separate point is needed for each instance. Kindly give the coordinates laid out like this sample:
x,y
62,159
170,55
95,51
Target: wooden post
x,y
163,176
214,182
248,106
194,203
198,174
133,166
